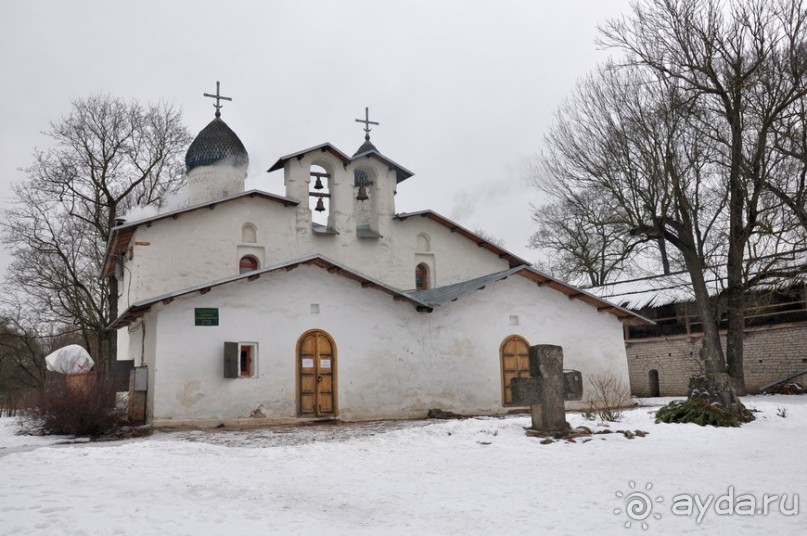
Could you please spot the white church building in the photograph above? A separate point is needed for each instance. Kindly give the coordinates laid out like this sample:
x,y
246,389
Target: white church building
x,y
250,307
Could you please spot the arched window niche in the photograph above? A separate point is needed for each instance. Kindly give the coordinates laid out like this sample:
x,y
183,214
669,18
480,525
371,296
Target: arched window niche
x,y
422,276
423,244
248,263
249,233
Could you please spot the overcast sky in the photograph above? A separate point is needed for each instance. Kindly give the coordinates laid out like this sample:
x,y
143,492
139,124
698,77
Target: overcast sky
x,y
464,90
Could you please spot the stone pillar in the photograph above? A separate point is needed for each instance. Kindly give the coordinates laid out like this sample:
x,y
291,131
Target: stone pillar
x,y
546,362
536,413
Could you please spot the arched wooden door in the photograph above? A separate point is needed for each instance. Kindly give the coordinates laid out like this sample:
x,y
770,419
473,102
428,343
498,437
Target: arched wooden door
x,y
515,359
316,375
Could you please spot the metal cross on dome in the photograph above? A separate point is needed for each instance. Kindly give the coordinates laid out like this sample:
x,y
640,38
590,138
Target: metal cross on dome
x,y
218,98
367,123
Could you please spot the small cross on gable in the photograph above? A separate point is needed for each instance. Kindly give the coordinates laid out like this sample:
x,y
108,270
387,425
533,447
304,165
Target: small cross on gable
x,y
367,123
218,98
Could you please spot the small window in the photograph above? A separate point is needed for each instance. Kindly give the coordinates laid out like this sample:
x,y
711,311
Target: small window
x,y
247,354
422,277
240,359
248,263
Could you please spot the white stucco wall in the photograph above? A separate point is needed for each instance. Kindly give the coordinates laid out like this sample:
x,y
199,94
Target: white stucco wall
x,y
392,361
375,337
208,183
466,333
205,244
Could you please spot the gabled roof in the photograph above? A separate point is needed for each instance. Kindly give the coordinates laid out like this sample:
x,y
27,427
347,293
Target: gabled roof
x,y
139,308
322,147
449,293
457,228
442,296
401,173
121,235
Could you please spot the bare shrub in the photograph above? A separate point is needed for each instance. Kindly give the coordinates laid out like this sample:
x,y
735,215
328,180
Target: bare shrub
x,y
15,401
607,396
77,406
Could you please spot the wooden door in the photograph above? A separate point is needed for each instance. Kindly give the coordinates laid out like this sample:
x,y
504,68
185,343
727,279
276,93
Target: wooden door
x,y
515,364
316,372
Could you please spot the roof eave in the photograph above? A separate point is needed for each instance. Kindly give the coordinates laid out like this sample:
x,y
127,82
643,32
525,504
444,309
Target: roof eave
x,y
327,146
454,227
401,173
139,308
624,315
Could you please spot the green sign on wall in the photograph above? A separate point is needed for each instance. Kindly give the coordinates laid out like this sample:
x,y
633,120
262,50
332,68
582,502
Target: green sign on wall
x,y
206,316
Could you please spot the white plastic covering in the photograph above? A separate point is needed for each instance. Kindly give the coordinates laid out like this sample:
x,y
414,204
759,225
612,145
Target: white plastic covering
x,y
71,359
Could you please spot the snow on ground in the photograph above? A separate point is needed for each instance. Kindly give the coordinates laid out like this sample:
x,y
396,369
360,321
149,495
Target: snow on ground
x,y
476,476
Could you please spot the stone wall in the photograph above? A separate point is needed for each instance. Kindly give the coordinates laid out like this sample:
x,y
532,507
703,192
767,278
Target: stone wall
x,y
770,354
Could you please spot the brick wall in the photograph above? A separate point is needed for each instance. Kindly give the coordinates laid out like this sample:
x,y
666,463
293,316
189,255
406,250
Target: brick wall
x,y
769,354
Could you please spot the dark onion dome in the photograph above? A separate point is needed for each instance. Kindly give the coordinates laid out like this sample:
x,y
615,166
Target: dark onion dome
x,y
214,144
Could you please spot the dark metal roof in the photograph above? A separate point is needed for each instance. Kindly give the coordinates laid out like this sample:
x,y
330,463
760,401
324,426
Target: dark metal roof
x,y
366,147
216,143
364,231
318,228
322,147
442,296
401,173
449,293
367,150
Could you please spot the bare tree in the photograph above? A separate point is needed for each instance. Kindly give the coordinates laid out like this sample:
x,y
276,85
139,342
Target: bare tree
x,y
21,356
106,157
627,139
584,239
696,135
481,233
743,61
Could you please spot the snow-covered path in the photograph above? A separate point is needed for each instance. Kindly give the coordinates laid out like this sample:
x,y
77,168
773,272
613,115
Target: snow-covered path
x,y
477,476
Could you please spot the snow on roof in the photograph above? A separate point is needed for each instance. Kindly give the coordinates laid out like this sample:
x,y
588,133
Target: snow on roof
x,y
657,291
654,291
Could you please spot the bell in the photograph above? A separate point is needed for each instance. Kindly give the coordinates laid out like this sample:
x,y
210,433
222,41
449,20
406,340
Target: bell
x,y
362,196
318,185
320,205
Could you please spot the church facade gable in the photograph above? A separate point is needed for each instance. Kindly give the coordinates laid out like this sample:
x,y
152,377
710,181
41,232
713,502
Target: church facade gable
x,y
387,357
205,245
273,313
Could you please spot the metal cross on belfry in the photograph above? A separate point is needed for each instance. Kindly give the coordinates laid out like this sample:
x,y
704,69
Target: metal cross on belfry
x,y
218,98
367,123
